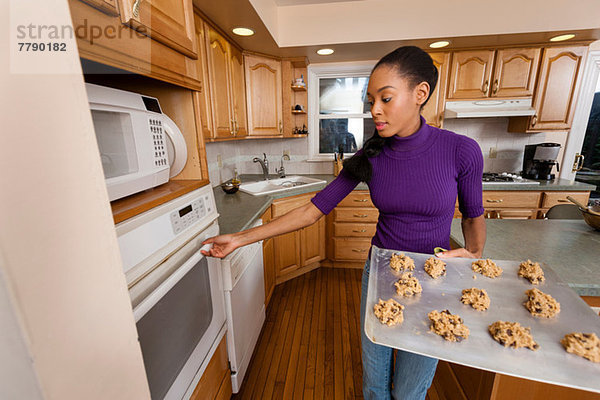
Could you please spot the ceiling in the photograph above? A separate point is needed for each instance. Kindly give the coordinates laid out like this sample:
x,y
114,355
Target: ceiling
x,y
228,14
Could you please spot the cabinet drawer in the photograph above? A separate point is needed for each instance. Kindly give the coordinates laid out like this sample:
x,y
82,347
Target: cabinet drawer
x,y
511,199
347,229
357,199
283,206
511,213
351,249
550,199
347,214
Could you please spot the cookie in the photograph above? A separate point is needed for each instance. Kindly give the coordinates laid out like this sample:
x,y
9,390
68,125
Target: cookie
x,y
400,262
512,334
586,345
408,285
476,298
541,304
532,271
448,325
435,267
486,268
389,312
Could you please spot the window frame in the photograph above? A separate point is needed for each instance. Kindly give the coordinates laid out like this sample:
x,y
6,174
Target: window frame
x,y
329,70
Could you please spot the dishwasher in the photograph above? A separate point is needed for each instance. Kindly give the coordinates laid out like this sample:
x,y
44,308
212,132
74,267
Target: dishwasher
x,y
243,282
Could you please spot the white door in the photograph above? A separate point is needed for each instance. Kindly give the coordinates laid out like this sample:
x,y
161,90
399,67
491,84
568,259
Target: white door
x,y
590,85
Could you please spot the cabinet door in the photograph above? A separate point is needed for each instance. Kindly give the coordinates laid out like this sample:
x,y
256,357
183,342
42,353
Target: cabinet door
x,y
515,72
238,92
203,97
471,74
287,253
556,94
108,6
269,268
220,90
168,21
312,243
434,109
263,90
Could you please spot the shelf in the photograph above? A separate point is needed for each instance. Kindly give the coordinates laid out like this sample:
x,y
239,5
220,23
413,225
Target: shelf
x,y
299,88
298,112
135,204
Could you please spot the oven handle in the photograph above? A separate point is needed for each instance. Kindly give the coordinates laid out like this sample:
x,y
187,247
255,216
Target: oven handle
x,y
158,293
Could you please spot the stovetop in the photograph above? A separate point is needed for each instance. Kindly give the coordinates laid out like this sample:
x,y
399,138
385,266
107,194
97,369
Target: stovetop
x,y
506,178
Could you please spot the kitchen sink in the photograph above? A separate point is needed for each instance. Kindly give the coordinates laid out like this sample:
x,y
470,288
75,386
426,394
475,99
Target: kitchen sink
x,y
279,185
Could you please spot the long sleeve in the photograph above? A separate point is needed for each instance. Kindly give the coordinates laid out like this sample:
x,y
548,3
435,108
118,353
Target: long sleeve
x,y
328,198
470,169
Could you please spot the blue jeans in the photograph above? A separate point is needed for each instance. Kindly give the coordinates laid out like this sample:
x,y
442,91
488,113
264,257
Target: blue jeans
x,y
412,374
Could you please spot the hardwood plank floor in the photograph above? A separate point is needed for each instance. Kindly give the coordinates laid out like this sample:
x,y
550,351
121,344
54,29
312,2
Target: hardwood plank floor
x,y
309,347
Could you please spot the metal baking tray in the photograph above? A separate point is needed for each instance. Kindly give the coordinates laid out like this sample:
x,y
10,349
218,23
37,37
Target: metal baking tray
x,y
550,363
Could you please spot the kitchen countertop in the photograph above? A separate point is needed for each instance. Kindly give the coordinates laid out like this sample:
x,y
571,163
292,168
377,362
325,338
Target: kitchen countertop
x,y
557,184
570,247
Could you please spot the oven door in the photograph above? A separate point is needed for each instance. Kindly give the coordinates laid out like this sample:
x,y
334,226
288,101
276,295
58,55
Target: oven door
x,y
181,318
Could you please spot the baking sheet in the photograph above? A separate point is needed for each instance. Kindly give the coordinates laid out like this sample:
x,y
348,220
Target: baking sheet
x,y
550,363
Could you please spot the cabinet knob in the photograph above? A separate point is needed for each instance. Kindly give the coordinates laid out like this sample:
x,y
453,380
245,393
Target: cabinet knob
x,y
361,200
494,200
534,120
135,9
485,87
280,127
361,215
359,230
359,250
495,87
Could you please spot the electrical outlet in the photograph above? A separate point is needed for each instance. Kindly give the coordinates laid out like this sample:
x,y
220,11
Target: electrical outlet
x,y
219,161
493,152
286,152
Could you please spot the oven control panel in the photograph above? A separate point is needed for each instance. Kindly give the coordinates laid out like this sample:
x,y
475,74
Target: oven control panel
x,y
187,216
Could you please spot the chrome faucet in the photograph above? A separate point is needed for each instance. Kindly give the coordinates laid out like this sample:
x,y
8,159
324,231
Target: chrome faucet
x,y
264,163
281,170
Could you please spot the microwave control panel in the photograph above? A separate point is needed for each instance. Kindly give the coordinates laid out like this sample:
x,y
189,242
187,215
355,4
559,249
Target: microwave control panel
x,y
187,216
158,138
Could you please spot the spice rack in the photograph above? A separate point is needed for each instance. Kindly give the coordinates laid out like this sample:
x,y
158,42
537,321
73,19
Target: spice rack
x,y
293,94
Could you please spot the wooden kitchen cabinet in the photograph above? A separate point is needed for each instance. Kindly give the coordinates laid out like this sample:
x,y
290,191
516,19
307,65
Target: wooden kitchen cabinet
x,y
238,89
168,21
268,260
108,6
264,96
433,112
292,69
300,251
488,73
556,93
202,98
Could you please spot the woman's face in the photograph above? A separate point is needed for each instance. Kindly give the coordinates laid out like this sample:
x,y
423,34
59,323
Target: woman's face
x,y
395,106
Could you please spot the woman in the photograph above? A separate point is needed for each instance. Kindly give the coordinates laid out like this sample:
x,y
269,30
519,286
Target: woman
x,y
415,173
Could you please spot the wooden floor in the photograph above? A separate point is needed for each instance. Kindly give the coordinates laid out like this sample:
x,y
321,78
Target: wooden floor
x,y
309,347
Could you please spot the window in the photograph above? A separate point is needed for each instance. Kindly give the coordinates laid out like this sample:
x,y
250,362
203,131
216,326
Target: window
x,y
339,114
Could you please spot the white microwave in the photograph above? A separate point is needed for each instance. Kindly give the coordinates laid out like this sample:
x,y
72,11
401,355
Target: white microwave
x,y
140,147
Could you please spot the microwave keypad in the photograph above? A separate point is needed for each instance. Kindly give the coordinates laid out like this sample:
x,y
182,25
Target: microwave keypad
x,y
158,139
187,216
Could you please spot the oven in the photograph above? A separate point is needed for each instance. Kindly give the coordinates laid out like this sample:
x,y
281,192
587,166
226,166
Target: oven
x,y
176,292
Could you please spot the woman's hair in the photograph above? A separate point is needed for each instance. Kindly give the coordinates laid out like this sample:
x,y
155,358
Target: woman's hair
x,y
412,64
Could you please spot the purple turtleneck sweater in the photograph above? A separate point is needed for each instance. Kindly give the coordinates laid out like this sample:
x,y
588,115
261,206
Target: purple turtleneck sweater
x,y
415,183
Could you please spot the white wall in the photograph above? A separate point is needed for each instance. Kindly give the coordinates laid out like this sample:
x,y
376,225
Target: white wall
x,y
63,294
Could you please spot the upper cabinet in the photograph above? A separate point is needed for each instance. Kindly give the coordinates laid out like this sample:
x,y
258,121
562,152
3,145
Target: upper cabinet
x,y
168,21
202,97
263,90
474,75
433,111
556,94
227,86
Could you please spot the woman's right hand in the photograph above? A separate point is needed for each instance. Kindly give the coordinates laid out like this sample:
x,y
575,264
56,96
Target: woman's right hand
x,y
222,245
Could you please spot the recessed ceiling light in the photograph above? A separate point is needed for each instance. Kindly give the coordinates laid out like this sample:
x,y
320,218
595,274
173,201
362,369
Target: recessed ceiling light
x,y
560,38
440,44
243,31
324,52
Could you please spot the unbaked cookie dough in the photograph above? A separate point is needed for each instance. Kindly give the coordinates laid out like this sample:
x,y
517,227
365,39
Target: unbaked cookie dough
x,y
486,268
541,304
532,271
447,325
389,312
585,345
408,285
400,262
435,267
512,334
476,298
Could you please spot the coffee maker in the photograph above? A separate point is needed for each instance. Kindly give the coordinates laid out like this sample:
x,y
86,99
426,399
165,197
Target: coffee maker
x,y
539,159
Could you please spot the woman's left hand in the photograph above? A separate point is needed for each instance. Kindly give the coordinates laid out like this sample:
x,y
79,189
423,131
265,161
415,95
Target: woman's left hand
x,y
460,252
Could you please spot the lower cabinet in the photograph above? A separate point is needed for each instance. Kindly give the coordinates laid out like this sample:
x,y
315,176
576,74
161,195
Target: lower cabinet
x,y
300,251
215,383
268,260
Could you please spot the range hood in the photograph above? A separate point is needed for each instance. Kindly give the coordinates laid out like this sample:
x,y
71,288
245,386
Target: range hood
x,y
489,108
